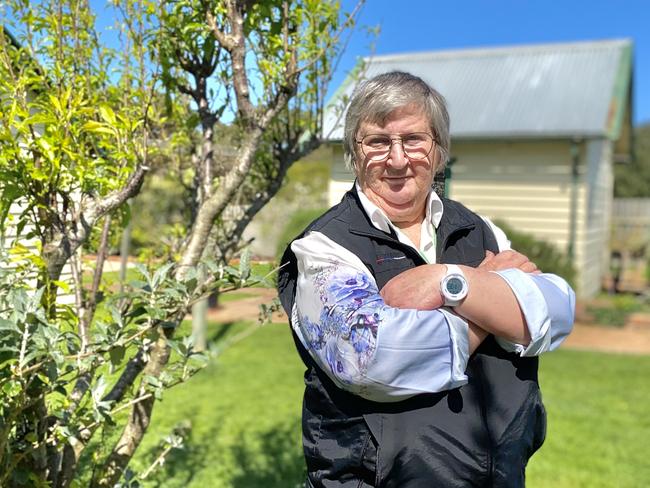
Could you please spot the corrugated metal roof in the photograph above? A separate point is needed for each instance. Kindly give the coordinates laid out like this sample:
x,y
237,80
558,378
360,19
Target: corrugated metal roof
x,y
550,90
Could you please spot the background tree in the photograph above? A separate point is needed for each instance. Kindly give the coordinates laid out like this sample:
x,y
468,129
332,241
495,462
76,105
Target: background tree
x,y
82,124
633,180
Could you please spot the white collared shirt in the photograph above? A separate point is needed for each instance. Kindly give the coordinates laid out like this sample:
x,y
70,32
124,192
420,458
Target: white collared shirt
x,y
387,354
433,215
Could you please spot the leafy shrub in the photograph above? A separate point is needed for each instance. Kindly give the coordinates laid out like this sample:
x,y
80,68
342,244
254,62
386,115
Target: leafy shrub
x,y
296,224
546,256
614,310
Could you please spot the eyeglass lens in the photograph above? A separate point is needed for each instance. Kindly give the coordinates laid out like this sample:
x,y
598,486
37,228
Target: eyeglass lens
x,y
377,147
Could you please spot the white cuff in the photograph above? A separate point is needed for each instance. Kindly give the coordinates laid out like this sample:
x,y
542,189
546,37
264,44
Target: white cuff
x,y
459,334
533,305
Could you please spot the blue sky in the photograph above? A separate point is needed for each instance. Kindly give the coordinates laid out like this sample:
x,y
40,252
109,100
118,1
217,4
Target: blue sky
x,y
427,25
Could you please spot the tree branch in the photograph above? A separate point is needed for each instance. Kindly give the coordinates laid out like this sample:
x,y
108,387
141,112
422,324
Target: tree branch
x,y
235,44
133,368
138,421
113,200
214,206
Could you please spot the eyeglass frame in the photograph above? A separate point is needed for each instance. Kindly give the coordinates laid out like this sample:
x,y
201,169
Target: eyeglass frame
x,y
393,140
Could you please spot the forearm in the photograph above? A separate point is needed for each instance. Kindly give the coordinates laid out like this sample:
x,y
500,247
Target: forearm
x,y
492,306
476,336
490,303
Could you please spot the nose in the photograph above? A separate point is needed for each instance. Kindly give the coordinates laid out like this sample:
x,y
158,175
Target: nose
x,y
397,158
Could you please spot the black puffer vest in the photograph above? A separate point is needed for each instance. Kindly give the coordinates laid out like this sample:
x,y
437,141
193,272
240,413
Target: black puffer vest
x,y
479,435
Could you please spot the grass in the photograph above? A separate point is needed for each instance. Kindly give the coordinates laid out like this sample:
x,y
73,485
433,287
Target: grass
x,y
245,415
598,421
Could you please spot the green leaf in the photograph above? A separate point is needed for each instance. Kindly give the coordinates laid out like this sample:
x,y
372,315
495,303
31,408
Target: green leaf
x,y
98,128
160,275
8,325
178,347
117,355
108,115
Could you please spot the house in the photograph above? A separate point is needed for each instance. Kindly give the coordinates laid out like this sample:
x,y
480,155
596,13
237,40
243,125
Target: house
x,y
535,131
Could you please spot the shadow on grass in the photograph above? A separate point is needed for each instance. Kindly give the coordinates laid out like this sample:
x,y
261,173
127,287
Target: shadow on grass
x,y
275,462
219,332
268,459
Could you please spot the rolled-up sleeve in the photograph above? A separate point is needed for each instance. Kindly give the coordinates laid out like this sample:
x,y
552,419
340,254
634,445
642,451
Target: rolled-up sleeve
x,y
548,304
546,300
366,347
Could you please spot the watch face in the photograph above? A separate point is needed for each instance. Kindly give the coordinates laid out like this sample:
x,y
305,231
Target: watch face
x,y
454,285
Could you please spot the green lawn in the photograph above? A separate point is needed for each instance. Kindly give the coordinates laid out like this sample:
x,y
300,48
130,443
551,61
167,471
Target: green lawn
x,y
599,425
245,412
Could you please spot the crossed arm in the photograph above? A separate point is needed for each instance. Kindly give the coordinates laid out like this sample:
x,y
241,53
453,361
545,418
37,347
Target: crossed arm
x,y
389,345
490,307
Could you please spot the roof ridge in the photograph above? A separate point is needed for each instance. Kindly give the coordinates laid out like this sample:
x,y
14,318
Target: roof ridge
x,y
505,50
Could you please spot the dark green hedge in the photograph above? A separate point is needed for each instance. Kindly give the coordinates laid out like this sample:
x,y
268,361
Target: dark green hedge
x,y
296,224
546,256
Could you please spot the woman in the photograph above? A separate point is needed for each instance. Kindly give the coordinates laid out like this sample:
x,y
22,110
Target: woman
x,y
419,328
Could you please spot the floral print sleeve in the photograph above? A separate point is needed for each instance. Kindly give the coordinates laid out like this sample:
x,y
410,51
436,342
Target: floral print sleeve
x,y
366,347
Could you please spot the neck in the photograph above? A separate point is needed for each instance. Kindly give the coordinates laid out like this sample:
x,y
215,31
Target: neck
x,y
412,230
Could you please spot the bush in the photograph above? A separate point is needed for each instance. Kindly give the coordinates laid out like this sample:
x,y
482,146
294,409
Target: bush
x,y
614,310
546,256
296,224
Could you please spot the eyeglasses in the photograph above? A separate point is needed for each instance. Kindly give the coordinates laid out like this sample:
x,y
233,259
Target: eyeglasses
x,y
377,147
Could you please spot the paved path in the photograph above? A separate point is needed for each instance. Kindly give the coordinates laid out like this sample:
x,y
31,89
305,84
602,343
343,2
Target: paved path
x,y
585,337
609,339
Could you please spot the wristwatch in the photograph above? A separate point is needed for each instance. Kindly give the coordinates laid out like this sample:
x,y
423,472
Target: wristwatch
x,y
453,286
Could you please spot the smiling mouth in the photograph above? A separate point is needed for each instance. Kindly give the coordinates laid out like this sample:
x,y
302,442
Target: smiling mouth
x,y
396,179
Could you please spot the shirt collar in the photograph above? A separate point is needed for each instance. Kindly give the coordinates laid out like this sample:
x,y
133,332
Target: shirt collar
x,y
433,210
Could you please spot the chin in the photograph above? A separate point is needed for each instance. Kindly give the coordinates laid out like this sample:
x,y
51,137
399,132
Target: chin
x,y
400,199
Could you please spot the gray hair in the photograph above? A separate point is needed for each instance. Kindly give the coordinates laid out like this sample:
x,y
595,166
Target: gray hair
x,y
375,99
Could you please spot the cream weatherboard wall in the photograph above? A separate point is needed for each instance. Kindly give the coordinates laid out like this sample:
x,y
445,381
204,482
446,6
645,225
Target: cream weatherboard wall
x,y
27,243
529,185
341,178
599,179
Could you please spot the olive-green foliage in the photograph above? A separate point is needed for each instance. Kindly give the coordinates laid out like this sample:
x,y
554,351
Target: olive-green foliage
x,y
306,191
81,123
308,177
158,216
547,257
296,224
632,180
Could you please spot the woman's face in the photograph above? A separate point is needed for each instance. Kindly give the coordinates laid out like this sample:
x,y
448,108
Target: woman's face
x,y
398,185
